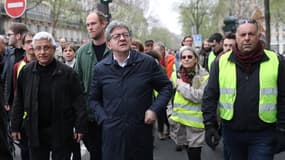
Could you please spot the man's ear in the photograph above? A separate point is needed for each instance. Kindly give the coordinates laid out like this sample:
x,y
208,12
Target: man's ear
x,y
108,44
18,36
259,35
104,23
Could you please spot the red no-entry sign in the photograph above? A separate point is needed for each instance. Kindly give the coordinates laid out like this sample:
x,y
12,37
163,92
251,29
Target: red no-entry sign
x,y
15,8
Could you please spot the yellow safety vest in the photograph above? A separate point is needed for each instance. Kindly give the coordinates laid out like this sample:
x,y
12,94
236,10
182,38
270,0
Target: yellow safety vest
x,y
268,74
211,58
185,111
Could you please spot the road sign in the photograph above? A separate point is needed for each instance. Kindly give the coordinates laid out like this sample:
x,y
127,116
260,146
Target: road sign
x,y
15,8
197,39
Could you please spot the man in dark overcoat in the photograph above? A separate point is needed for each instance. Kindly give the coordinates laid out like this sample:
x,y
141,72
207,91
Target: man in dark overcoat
x,y
121,97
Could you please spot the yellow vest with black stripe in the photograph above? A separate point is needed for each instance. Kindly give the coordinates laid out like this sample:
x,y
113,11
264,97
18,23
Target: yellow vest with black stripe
x,y
185,111
268,74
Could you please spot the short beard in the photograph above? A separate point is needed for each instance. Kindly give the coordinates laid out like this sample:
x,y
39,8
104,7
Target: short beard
x,y
98,36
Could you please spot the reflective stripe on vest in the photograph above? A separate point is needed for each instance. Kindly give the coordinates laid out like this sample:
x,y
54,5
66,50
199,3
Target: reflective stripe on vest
x,y
185,111
268,74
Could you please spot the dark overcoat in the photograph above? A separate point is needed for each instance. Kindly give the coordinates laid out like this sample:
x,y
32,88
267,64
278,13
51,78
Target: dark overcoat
x,y
119,97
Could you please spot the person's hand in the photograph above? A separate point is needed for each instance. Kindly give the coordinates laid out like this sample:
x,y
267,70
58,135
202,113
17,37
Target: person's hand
x,y
149,117
16,136
7,107
212,137
178,81
78,137
279,144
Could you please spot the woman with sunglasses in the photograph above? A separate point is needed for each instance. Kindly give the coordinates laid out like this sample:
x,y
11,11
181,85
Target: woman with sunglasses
x,y
190,80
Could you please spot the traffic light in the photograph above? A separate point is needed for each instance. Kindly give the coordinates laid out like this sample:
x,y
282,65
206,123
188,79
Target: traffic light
x,y
105,1
230,24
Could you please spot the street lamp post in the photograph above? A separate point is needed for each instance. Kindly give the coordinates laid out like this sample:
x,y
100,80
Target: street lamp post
x,y
267,23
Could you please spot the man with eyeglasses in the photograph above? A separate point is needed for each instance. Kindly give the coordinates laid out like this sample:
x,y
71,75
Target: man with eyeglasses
x,y
121,97
29,56
14,55
49,102
86,58
248,85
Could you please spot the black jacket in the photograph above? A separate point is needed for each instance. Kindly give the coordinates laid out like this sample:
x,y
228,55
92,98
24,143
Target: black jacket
x,y
247,98
4,146
68,104
13,56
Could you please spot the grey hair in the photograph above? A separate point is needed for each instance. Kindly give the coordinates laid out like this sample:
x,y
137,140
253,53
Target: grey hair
x,y
43,36
160,44
187,48
115,24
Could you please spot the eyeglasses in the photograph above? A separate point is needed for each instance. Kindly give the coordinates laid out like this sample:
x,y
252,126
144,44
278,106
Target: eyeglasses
x,y
118,36
28,41
44,48
188,56
246,20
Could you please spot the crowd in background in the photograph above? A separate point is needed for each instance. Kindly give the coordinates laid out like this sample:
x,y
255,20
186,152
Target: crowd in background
x,y
116,94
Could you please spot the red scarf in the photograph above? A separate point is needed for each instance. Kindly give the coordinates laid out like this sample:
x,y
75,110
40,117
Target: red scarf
x,y
248,59
186,76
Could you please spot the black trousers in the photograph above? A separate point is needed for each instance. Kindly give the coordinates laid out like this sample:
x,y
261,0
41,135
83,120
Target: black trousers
x,y
76,155
43,152
24,145
161,120
4,145
93,141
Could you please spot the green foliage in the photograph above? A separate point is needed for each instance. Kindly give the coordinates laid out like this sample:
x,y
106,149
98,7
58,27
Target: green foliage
x,y
277,11
165,36
203,16
133,13
197,17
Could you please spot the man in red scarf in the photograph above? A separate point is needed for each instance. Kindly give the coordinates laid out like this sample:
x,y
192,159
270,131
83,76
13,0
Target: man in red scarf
x,y
248,85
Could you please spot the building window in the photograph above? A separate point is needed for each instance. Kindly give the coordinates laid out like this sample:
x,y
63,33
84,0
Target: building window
x,y
38,28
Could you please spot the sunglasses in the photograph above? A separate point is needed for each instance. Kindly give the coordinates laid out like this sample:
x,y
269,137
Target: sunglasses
x,y
246,20
188,56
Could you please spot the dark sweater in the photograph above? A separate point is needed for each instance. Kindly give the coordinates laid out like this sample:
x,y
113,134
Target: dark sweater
x,y
99,50
45,105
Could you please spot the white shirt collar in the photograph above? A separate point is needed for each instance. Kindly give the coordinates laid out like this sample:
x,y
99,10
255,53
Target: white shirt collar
x,y
124,63
70,64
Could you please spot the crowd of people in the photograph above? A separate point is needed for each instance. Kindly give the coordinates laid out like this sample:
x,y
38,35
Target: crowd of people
x,y
110,92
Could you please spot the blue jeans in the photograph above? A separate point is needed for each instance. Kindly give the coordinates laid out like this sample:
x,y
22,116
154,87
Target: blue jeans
x,y
249,145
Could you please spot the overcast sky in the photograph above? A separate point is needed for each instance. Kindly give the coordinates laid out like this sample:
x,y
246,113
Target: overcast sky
x,y
168,16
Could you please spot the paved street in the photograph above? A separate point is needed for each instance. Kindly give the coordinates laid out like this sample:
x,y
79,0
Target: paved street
x,y
164,150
